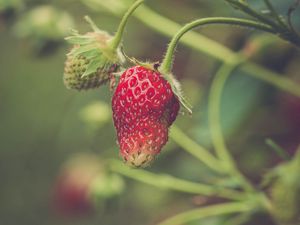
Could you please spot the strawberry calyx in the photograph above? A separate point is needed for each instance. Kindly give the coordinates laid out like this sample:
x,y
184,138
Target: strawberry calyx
x,y
176,88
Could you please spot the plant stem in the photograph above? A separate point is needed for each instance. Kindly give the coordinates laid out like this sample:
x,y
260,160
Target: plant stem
x,y
208,211
192,39
239,219
195,149
166,65
282,30
119,34
274,13
244,7
168,182
215,123
212,48
278,81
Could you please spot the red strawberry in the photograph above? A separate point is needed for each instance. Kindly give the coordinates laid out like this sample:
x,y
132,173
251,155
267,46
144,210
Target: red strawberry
x,y
144,107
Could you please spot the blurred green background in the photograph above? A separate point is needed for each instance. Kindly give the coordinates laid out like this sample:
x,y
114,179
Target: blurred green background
x,y
42,124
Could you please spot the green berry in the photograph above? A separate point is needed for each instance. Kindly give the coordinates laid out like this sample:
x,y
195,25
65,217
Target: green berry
x,y
75,67
92,60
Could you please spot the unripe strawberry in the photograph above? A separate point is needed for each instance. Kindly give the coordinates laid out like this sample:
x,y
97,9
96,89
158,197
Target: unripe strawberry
x,y
95,55
144,107
91,61
285,193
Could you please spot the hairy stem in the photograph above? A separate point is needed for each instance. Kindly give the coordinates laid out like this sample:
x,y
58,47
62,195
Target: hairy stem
x,y
118,36
166,181
208,211
167,62
211,48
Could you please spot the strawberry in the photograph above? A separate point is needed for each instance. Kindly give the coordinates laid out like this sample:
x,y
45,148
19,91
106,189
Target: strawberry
x,y
144,107
92,60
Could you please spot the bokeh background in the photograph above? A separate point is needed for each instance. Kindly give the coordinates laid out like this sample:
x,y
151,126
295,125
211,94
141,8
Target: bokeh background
x,y
43,125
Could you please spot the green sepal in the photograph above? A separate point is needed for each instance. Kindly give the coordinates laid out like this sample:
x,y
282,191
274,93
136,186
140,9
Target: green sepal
x,y
86,51
95,64
175,85
176,88
79,40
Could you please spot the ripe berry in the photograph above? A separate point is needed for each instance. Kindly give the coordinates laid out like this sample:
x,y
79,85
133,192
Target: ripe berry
x,y
144,107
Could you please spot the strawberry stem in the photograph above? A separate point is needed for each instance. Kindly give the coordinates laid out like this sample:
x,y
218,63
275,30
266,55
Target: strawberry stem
x,y
115,42
166,181
167,62
209,211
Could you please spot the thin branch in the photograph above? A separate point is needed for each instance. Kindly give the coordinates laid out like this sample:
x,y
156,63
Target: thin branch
x,y
169,182
209,211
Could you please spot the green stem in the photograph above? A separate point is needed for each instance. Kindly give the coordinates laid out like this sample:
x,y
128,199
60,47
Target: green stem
x,y
274,13
208,211
215,123
212,48
283,31
118,36
195,149
239,219
192,39
244,7
167,62
171,183
276,80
